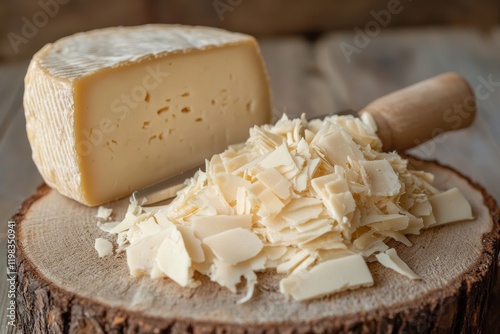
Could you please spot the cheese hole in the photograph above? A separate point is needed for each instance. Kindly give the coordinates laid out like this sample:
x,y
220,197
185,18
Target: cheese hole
x,y
213,102
168,100
249,106
109,143
145,125
185,94
185,109
199,119
170,131
160,136
152,138
162,110
147,97
224,97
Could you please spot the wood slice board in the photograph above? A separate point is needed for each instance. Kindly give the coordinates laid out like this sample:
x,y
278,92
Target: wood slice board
x,y
64,287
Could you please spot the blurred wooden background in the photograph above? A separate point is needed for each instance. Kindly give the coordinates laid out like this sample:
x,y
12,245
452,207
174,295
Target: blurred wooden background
x,y
26,25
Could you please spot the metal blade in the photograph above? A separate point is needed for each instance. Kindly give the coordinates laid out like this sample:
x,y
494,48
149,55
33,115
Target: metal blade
x,y
168,188
165,189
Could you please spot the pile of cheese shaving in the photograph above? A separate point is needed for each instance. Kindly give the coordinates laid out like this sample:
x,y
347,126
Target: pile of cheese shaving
x,y
312,200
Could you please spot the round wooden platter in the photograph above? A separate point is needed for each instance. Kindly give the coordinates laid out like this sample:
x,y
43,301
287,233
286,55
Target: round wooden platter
x,y
64,287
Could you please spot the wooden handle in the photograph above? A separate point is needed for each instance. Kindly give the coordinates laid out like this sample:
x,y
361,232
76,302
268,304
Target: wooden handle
x,y
415,114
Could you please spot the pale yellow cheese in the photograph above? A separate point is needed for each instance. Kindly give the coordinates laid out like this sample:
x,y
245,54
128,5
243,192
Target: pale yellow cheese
x,y
276,182
292,262
234,246
302,210
390,259
107,227
336,144
141,256
230,275
206,226
193,244
313,202
336,197
349,272
380,177
229,185
103,247
174,259
142,229
129,221
104,213
450,206
265,198
114,110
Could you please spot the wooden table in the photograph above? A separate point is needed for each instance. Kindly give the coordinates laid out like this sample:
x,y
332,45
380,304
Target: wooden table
x,y
315,77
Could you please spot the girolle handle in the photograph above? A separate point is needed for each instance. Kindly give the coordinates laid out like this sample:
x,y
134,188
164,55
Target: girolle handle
x,y
415,114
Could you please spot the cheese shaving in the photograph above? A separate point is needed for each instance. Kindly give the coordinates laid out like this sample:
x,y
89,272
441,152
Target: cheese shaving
x,y
390,259
103,247
104,213
308,200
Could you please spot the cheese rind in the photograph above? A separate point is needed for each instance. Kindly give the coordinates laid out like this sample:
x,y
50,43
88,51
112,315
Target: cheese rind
x,y
114,110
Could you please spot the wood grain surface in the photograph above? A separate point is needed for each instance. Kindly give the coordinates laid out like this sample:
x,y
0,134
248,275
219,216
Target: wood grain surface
x,y
61,276
315,77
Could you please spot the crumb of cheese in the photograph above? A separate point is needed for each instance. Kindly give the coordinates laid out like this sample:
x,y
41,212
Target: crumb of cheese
x,y
103,247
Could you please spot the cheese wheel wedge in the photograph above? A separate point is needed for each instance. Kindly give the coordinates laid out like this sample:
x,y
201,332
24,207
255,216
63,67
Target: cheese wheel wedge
x,y
114,110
